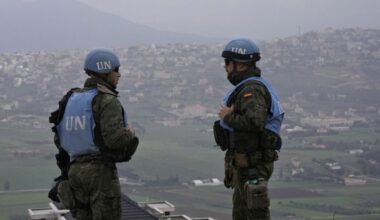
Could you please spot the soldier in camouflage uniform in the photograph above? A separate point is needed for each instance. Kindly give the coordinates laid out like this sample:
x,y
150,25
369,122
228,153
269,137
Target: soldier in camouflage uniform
x,y
250,112
92,134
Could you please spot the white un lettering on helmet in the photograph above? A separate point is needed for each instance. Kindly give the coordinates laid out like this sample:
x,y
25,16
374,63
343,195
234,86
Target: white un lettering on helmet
x,y
104,65
239,50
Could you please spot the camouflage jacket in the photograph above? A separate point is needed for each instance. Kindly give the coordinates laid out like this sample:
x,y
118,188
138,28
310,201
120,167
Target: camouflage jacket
x,y
251,103
110,135
115,144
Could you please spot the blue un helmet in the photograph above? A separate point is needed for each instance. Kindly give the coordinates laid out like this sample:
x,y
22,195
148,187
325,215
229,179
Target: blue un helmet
x,y
101,61
241,50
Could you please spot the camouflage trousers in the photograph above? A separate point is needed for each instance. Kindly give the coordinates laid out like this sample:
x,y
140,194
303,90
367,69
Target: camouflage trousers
x,y
250,198
96,188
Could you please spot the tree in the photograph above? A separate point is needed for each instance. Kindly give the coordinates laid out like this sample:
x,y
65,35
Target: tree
x,y
280,174
7,185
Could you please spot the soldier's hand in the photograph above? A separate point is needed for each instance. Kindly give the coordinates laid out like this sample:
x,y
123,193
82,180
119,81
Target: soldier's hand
x,y
224,110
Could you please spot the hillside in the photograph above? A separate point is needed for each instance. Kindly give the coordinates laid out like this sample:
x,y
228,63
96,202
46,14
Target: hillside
x,y
315,67
346,58
328,87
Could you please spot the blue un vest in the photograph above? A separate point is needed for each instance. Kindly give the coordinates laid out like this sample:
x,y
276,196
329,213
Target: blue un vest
x,y
76,130
276,115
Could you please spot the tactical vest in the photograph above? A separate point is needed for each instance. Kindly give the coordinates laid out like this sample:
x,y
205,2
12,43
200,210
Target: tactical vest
x,y
276,114
76,129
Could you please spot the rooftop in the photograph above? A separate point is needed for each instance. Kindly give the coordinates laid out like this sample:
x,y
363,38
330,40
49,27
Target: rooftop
x,y
130,210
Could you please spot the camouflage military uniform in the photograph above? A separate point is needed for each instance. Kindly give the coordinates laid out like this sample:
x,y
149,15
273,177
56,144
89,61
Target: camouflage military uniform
x,y
246,159
93,178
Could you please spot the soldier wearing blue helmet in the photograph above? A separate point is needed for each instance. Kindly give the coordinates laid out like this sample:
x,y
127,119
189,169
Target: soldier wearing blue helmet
x,y
241,50
92,134
248,130
101,61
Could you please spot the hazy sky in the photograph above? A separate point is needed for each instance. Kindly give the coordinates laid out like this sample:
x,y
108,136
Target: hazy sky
x,y
259,19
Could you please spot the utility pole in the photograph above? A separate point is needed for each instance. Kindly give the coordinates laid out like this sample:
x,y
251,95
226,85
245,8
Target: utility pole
x,y
299,30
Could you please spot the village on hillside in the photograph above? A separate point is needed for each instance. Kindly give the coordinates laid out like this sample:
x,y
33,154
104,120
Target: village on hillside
x,y
186,82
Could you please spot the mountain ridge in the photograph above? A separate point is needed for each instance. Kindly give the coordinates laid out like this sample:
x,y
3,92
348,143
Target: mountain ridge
x,y
328,65
62,24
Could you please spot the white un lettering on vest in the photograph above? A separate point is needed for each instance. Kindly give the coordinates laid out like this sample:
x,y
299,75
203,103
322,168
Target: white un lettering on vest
x,y
238,50
75,123
104,65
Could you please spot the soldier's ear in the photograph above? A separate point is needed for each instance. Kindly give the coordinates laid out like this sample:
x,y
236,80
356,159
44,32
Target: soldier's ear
x,y
102,76
241,66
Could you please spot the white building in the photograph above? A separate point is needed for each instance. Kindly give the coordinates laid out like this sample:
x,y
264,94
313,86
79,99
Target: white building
x,y
206,182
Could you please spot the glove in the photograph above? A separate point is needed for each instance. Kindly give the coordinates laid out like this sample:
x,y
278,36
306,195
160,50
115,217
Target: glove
x,y
53,193
131,149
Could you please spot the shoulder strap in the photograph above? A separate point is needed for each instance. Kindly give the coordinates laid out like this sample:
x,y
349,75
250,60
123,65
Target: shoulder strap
x,y
56,116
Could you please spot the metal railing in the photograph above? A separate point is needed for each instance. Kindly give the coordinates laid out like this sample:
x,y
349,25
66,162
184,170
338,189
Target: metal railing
x,y
48,214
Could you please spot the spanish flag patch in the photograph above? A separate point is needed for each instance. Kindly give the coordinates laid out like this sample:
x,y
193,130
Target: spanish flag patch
x,y
247,95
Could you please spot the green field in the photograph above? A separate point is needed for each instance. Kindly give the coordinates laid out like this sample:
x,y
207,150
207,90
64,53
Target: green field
x,y
18,203
352,136
186,152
